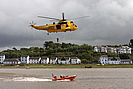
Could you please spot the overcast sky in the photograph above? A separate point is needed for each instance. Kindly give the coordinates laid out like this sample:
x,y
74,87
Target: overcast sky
x,y
110,22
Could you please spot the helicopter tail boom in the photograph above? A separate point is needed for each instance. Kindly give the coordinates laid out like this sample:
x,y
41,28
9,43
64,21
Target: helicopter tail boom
x,y
39,27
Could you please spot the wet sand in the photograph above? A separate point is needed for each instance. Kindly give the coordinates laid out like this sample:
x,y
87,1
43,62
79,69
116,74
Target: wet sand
x,y
95,78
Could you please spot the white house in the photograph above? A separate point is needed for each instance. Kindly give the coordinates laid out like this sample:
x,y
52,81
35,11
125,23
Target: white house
x,y
103,59
110,50
96,49
115,50
11,61
24,59
75,60
64,60
124,49
120,50
34,60
114,60
2,58
53,60
126,61
44,60
106,49
127,49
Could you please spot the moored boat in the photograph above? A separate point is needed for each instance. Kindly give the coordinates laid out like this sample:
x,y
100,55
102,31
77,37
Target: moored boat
x,y
64,77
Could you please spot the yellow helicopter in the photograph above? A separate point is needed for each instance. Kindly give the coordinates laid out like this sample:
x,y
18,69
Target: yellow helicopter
x,y
62,26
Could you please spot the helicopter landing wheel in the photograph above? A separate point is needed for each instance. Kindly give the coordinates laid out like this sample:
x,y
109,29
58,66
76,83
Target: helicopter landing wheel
x,y
47,33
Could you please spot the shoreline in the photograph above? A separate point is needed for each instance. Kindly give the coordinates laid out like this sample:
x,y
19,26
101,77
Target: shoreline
x,y
67,66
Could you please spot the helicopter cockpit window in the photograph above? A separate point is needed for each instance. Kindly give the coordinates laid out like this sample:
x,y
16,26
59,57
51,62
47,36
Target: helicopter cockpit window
x,y
63,23
71,21
73,24
66,25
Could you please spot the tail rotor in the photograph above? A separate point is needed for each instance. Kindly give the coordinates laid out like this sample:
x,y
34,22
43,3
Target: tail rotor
x,y
31,24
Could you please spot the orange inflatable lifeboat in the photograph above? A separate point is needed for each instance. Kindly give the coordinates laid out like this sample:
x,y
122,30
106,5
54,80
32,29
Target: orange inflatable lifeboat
x,y
63,77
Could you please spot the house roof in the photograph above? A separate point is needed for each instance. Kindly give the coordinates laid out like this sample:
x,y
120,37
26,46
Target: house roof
x,y
67,58
7,60
53,57
24,55
60,57
74,58
44,57
34,57
2,55
125,60
113,57
104,56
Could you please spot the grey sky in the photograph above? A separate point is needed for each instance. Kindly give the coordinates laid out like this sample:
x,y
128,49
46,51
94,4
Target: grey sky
x,y
110,22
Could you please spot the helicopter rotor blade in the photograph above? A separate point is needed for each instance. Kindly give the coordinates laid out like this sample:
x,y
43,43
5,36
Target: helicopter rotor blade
x,y
81,17
48,18
63,16
32,23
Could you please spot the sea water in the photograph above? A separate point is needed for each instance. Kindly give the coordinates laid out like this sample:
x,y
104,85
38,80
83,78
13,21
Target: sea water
x,y
91,78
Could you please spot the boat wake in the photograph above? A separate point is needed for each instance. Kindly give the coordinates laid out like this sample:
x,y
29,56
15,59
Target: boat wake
x,y
32,79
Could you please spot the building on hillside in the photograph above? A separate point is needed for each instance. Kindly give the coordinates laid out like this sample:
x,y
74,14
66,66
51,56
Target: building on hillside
x,y
11,61
127,49
44,60
53,60
2,58
24,59
106,49
75,60
96,49
110,50
114,60
34,60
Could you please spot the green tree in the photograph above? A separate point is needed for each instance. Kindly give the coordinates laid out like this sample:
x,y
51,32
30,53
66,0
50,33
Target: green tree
x,y
24,49
84,61
36,49
112,55
14,49
31,49
49,51
124,56
50,44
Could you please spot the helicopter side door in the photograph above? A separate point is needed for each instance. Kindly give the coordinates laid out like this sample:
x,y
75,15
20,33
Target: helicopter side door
x,y
58,26
63,25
